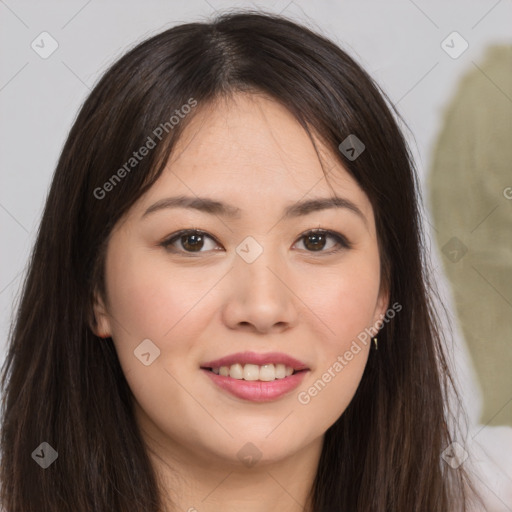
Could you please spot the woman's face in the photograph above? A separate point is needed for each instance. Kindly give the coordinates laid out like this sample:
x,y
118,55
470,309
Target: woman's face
x,y
255,281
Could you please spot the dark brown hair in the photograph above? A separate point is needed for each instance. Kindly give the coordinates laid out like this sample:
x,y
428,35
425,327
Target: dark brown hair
x,y
64,386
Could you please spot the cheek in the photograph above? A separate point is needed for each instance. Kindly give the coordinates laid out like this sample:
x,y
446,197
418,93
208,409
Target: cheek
x,y
346,299
147,301
146,298
151,301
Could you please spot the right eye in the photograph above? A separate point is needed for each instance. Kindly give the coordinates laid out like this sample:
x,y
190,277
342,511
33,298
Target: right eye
x,y
190,240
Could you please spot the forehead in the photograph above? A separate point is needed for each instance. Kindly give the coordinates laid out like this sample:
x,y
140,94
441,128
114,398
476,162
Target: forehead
x,y
248,131
249,148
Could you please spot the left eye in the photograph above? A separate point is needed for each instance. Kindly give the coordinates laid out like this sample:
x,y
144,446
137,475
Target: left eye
x,y
316,240
193,240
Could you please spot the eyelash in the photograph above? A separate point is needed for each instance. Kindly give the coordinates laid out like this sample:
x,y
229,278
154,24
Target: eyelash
x,y
343,243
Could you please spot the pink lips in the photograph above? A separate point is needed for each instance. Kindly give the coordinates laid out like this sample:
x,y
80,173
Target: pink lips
x,y
257,391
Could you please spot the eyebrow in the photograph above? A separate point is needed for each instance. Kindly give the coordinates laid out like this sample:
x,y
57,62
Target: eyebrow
x,y
213,207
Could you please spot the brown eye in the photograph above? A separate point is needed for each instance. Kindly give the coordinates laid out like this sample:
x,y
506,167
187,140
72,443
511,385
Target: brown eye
x,y
193,242
190,241
316,241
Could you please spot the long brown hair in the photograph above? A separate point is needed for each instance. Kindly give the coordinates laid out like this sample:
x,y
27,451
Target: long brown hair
x,y
64,386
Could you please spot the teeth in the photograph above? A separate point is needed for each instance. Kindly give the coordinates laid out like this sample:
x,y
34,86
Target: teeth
x,y
236,371
251,372
280,371
266,372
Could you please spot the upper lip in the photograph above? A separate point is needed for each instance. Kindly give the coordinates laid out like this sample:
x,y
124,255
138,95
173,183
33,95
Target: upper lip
x,y
258,359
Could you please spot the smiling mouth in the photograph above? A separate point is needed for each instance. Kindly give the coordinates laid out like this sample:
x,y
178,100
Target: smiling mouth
x,y
254,372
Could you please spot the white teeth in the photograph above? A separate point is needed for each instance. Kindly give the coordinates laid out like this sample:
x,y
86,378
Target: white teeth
x,y
236,371
280,371
251,372
266,372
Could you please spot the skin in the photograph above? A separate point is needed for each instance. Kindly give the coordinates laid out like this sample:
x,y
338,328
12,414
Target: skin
x,y
249,152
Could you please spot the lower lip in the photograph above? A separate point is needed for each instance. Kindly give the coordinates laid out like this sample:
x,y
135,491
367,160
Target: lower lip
x,y
257,390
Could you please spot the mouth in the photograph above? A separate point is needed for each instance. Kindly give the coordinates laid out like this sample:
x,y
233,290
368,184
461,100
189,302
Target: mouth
x,y
256,377
252,366
254,372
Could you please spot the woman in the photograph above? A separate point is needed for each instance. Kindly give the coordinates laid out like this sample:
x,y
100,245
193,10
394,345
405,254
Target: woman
x,y
227,306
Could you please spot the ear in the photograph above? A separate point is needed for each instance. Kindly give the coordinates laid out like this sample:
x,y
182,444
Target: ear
x,y
101,321
382,303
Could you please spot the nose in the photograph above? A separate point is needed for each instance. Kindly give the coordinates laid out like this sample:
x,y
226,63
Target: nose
x,y
260,296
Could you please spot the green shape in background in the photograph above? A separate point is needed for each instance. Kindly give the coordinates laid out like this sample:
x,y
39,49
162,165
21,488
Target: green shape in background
x,y
470,187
